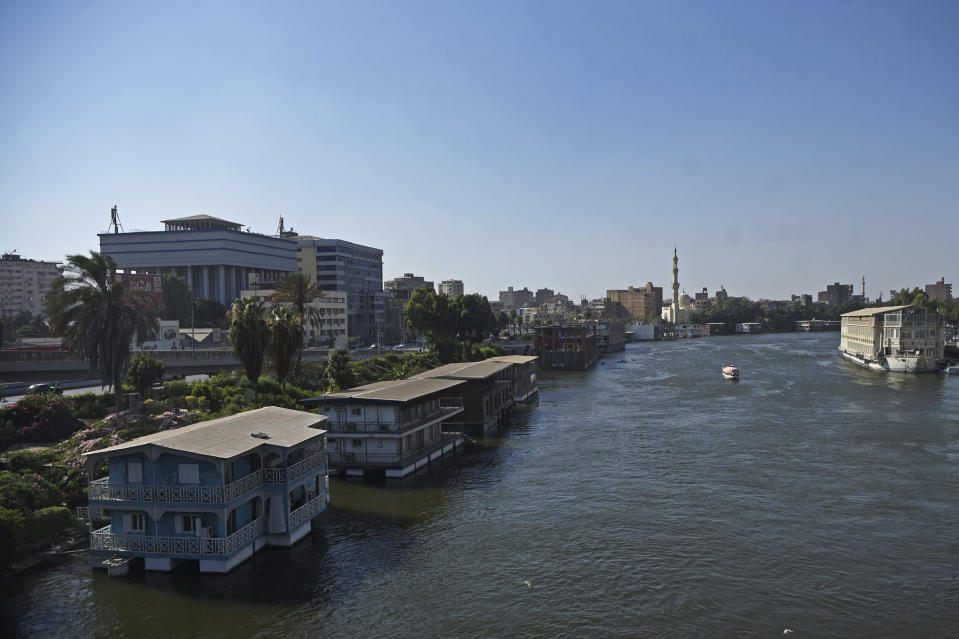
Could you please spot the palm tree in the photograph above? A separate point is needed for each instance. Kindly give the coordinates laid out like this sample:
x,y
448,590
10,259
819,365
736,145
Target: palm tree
x,y
286,332
98,316
250,335
299,290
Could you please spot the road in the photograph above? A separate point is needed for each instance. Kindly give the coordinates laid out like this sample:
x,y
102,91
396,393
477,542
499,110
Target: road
x,y
79,387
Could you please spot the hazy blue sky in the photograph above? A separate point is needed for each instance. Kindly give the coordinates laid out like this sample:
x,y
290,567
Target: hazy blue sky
x,y
780,145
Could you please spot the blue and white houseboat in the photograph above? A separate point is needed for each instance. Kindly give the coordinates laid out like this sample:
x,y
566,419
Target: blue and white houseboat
x,y
213,492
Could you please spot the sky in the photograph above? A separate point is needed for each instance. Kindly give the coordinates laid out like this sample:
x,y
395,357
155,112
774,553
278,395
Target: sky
x,y
780,145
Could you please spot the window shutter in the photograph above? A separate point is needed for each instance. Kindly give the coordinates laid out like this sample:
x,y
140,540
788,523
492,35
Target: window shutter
x,y
189,473
178,524
127,523
134,472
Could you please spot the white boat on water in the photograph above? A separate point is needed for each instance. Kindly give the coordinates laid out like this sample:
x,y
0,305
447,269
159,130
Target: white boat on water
x,y
951,370
730,371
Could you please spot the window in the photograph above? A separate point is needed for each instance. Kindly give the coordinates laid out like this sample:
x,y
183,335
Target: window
x,y
134,523
379,443
134,472
357,443
189,473
355,411
187,523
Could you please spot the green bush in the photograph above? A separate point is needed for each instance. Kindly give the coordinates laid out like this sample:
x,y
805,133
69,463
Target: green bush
x,y
176,388
31,459
143,372
92,405
27,490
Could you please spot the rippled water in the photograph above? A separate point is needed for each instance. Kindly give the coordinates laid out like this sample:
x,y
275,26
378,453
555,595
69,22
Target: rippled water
x,y
648,497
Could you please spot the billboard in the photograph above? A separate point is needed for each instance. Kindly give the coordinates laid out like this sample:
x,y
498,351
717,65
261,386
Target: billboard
x,y
150,284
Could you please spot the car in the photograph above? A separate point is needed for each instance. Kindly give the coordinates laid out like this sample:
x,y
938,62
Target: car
x,y
33,389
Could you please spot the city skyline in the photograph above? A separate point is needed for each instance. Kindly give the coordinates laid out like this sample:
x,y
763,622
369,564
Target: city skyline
x,y
781,147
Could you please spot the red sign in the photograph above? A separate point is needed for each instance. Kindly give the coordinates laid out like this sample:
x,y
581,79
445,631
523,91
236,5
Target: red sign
x,y
150,284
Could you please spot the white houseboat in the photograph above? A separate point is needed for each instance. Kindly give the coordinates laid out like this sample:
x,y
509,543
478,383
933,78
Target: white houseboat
x,y
906,339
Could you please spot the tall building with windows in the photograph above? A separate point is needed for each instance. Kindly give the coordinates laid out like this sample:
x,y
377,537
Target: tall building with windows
x,y
835,294
515,299
636,302
338,265
451,288
939,290
24,283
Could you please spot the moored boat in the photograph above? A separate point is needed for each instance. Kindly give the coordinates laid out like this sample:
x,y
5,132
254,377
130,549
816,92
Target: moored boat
x,y
730,371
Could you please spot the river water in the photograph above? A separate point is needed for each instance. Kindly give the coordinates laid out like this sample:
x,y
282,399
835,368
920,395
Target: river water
x,y
648,497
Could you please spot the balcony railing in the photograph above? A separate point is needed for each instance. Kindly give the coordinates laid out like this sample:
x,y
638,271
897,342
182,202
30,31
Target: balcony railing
x,y
449,406
282,475
307,510
133,543
382,460
103,490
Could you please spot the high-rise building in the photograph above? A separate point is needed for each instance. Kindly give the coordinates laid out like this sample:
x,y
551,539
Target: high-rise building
x,y
402,287
451,288
338,265
24,284
543,294
835,294
636,302
939,290
515,299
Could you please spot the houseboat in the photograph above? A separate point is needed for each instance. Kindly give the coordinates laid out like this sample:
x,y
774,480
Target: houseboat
x,y
571,347
213,492
486,393
392,427
905,339
523,373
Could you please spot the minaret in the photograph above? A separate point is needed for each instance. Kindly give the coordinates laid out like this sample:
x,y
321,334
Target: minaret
x,y
675,287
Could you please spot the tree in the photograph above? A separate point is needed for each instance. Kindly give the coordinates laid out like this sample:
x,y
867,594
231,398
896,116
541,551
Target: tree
x,y
98,316
144,371
286,340
250,336
431,315
474,320
299,290
209,313
338,373
176,299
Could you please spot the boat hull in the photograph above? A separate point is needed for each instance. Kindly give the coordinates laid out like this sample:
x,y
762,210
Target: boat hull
x,y
895,363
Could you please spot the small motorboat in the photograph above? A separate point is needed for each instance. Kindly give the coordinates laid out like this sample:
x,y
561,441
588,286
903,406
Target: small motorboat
x,y
951,370
730,371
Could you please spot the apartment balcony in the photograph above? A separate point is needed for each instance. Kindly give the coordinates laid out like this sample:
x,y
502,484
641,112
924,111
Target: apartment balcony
x,y
101,490
449,406
282,475
182,547
307,510
388,460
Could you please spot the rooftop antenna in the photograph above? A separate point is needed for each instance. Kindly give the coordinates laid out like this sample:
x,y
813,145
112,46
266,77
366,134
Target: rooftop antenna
x,y
114,220
280,229
864,288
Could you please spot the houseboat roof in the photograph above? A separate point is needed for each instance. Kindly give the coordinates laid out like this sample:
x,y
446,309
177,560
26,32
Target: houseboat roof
x,y
515,359
866,312
466,370
394,392
227,437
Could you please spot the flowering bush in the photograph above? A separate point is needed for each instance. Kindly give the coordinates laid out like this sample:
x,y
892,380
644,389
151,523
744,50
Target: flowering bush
x,y
41,417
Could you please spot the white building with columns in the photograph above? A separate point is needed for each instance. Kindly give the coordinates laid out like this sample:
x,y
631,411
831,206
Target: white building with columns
x,y
216,256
